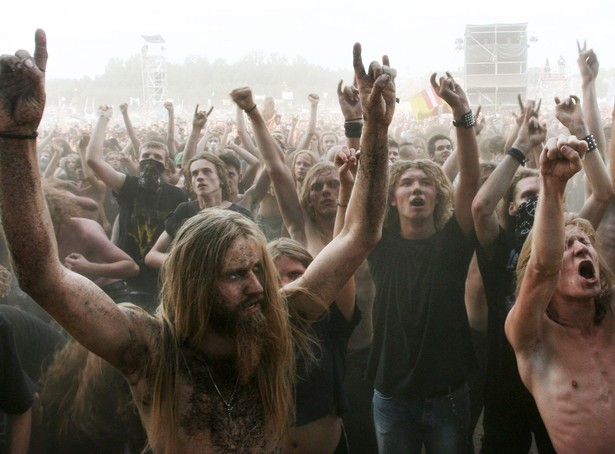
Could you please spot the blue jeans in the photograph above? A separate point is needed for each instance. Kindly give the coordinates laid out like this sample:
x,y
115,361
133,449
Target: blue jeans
x,y
439,423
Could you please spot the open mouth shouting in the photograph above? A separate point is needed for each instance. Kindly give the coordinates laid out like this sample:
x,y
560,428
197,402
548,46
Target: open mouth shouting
x,y
587,270
417,202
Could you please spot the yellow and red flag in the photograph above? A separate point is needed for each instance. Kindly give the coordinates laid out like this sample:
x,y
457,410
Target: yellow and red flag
x,y
428,104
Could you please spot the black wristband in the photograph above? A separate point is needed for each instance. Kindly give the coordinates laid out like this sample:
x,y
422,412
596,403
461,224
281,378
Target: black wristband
x,y
517,154
10,135
250,109
353,130
591,142
467,121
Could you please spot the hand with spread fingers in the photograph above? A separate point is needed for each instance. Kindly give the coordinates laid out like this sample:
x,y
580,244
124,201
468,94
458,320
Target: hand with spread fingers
x,y
569,112
347,162
200,117
350,103
376,88
588,63
532,132
451,92
22,89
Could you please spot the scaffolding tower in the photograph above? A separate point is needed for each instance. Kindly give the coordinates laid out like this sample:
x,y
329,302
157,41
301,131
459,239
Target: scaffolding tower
x,y
495,65
551,83
154,71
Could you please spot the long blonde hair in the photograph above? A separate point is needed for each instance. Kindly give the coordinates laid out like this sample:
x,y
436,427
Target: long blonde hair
x,y
603,300
190,278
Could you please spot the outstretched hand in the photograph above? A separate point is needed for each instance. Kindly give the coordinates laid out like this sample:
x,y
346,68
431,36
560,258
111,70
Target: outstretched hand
x,y
531,132
376,88
570,113
451,92
22,88
350,103
561,157
200,117
347,162
588,63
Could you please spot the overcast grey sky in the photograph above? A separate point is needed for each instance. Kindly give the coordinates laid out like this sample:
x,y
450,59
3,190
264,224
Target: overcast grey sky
x,y
419,37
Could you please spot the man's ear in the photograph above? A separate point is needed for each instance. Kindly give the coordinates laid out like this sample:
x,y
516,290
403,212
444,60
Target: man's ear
x,y
511,208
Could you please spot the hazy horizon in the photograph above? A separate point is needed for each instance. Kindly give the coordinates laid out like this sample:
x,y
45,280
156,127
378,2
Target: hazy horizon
x,y
81,41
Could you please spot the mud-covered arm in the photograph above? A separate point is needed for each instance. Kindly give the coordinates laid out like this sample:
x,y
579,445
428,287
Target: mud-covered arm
x,y
84,310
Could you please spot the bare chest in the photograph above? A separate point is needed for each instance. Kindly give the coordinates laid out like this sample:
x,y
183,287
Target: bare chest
x,y
574,388
215,407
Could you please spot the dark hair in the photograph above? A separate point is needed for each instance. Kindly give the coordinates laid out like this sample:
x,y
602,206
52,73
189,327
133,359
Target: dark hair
x,y
431,143
231,160
220,169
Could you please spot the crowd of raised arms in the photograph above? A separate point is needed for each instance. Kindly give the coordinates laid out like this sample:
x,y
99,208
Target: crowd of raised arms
x,y
350,282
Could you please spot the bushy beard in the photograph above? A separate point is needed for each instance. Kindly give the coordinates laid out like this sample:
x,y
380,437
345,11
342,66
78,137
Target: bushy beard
x,y
150,174
251,335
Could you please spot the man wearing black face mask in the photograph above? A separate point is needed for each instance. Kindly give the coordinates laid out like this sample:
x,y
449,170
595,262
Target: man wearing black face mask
x,y
510,415
144,203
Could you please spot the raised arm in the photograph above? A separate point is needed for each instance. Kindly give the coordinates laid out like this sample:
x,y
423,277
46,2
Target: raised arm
x,y
311,128
467,149
569,113
530,135
54,161
171,144
589,67
559,161
130,130
283,184
198,123
337,262
111,177
242,132
350,105
74,301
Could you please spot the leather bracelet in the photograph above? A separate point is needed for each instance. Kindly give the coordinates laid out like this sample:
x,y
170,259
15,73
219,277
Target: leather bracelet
x,y
591,142
353,130
250,109
467,121
517,155
341,205
354,119
11,135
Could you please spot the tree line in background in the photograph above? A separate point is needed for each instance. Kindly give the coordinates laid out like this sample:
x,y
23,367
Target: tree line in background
x,y
198,80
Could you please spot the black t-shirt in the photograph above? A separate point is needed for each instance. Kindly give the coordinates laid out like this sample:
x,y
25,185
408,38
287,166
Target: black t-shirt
x,y
142,215
319,390
15,387
35,341
498,267
186,210
422,341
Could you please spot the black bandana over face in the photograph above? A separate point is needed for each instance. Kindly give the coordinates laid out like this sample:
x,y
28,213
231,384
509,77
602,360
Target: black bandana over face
x,y
524,218
150,174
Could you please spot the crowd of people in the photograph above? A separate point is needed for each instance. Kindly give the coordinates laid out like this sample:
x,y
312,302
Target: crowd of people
x,y
348,282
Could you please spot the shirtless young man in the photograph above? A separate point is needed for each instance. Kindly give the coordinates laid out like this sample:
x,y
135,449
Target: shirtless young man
x,y
84,248
212,371
562,325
